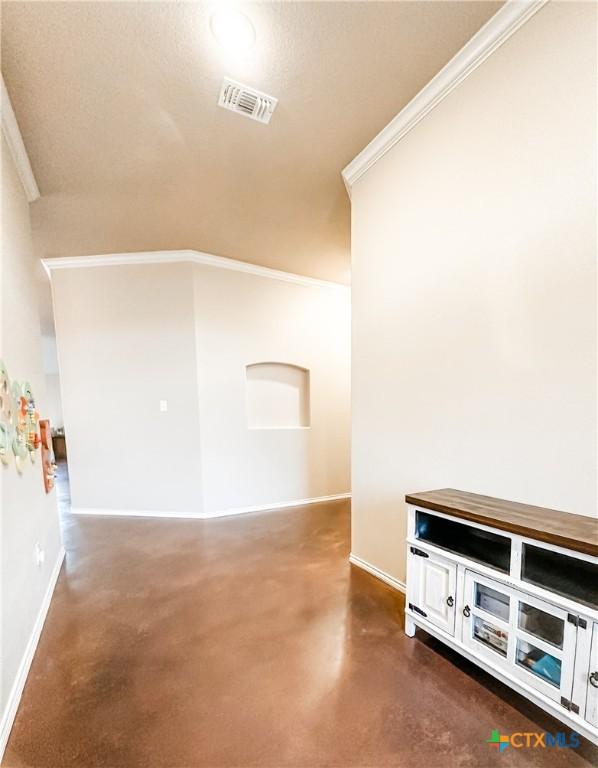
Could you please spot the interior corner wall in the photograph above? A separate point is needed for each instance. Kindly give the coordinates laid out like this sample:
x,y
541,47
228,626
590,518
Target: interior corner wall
x,y
126,341
474,291
242,319
130,336
28,515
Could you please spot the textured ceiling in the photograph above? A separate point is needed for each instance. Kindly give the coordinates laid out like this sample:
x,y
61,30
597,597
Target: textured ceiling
x,y
117,106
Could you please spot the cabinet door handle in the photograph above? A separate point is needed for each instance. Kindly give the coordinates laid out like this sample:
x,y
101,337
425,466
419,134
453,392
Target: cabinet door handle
x,y
449,601
419,552
467,611
594,679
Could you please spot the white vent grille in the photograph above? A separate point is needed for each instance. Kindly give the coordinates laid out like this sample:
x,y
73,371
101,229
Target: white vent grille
x,y
246,101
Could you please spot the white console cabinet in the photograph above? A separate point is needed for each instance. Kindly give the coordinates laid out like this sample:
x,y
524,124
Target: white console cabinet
x,y
508,598
434,580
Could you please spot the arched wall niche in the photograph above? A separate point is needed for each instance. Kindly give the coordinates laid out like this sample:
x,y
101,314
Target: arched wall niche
x,y
278,396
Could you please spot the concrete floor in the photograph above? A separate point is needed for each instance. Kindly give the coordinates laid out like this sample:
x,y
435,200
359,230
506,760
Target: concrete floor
x,y
249,641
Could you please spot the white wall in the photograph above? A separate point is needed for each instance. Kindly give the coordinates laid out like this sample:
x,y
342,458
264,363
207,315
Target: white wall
x,y
28,515
244,319
126,341
474,291
130,336
53,396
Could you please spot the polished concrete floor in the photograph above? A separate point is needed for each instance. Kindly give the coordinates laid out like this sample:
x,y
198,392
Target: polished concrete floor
x,y
249,641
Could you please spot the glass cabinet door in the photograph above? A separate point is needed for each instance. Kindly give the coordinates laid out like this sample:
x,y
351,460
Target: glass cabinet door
x,y
544,653
538,622
529,638
546,666
486,618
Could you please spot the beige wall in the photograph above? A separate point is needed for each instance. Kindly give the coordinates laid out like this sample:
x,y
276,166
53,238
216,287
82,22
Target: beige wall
x,y
50,361
130,336
126,341
474,291
244,319
54,400
28,515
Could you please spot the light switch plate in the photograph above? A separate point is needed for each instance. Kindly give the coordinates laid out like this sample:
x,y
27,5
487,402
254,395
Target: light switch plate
x,y
40,555
163,406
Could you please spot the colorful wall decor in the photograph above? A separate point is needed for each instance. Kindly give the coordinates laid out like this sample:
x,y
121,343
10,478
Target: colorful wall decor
x,y
48,463
19,427
6,415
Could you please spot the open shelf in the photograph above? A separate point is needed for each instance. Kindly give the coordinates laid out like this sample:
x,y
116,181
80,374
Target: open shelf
x,y
565,575
484,547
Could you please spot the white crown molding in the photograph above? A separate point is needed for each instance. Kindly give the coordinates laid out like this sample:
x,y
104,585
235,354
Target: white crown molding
x,y
190,256
16,691
511,16
12,134
379,574
207,515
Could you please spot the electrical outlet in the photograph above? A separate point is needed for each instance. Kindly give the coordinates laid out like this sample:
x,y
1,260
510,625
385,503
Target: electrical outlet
x,y
40,555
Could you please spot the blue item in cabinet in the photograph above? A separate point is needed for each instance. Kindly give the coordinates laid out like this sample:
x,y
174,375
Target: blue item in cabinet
x,y
548,667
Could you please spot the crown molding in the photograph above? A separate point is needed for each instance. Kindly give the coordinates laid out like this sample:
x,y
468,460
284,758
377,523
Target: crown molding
x,y
12,134
508,19
185,256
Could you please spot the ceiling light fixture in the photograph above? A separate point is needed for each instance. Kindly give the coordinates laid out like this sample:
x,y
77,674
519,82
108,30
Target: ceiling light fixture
x,y
233,30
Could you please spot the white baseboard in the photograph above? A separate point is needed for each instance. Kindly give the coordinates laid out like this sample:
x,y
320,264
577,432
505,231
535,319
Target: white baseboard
x,y
280,505
207,515
134,512
18,685
382,575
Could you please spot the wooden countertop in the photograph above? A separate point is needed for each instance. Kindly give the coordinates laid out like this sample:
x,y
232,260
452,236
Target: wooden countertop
x,y
563,529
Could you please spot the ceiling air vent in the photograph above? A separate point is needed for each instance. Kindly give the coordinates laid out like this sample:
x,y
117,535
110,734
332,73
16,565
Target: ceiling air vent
x,y
246,101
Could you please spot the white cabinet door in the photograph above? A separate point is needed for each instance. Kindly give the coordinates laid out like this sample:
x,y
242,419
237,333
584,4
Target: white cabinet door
x,y
592,695
544,640
431,586
531,639
486,608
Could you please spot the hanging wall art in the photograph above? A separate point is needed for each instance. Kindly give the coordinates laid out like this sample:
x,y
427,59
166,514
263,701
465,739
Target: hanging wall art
x,y
20,428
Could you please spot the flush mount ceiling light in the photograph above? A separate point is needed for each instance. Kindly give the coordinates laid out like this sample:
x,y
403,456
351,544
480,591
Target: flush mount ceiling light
x,y
233,30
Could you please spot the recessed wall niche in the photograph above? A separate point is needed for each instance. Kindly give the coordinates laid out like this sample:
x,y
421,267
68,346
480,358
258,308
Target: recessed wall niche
x,y
277,396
